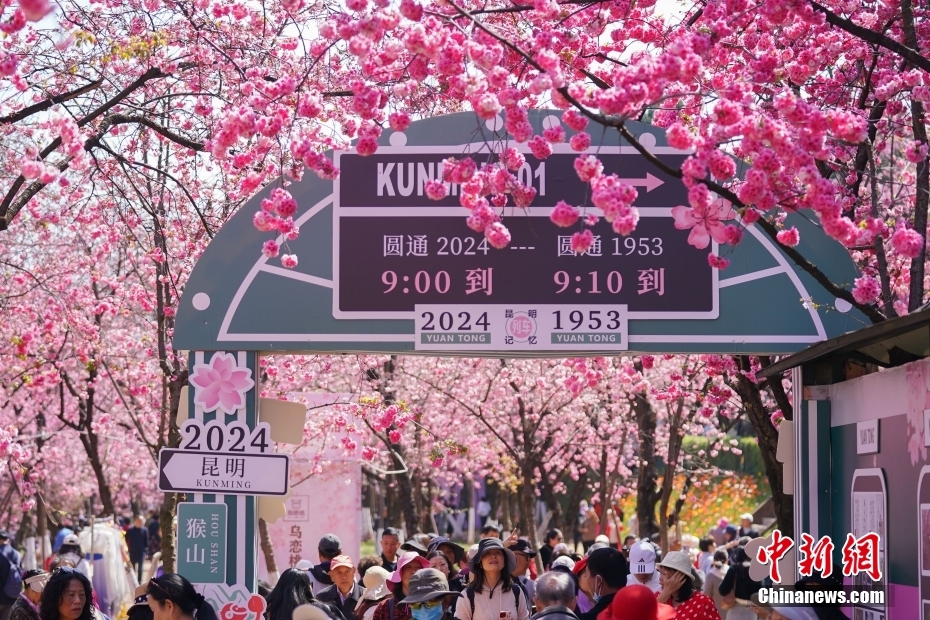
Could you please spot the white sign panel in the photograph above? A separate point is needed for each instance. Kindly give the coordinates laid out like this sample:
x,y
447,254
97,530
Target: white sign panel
x,y
521,327
226,473
867,437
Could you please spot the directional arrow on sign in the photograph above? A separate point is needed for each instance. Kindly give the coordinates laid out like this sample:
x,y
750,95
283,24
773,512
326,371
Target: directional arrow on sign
x,y
650,182
222,473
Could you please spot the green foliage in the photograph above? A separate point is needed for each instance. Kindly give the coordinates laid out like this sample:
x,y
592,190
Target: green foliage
x,y
749,462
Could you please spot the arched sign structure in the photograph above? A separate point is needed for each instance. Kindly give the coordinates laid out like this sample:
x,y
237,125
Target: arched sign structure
x,y
382,268
373,247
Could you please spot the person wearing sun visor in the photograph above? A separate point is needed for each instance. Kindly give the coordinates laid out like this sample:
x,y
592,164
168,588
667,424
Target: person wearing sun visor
x,y
26,606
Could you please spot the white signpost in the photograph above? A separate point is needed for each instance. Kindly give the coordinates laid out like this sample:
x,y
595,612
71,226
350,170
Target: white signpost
x,y
227,473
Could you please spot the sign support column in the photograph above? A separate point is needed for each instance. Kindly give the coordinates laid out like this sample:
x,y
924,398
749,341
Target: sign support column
x,y
242,516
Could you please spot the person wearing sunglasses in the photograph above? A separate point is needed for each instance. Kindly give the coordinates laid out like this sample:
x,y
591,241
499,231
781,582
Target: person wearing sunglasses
x,y
172,597
26,606
429,596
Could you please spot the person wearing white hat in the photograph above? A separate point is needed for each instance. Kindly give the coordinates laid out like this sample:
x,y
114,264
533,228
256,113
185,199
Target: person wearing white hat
x,y
376,590
643,566
745,527
676,574
26,606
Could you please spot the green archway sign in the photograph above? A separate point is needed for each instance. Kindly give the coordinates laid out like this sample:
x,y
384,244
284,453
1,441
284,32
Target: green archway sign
x,y
382,268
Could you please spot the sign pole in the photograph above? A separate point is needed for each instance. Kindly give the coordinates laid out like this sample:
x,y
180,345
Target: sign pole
x,y
241,510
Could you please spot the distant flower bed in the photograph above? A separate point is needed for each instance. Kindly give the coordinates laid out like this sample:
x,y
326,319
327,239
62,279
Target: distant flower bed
x,y
710,498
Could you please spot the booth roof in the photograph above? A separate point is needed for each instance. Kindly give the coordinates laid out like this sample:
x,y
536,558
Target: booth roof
x,y
887,344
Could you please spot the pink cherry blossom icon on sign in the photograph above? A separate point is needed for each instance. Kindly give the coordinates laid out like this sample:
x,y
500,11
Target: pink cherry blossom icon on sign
x,y
221,384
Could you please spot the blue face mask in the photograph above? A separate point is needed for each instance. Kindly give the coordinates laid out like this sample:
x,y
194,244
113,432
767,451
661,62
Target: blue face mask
x,y
428,613
595,597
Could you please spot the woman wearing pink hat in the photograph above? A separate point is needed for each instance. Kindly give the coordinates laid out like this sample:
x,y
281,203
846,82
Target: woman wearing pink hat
x,y
394,608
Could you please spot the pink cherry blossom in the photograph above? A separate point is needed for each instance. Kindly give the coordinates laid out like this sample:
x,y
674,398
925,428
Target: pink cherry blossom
x,y
221,384
866,290
907,242
705,223
582,241
789,237
564,215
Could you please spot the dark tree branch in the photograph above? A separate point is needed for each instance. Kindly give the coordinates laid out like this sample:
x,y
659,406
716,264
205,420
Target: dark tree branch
x,y
48,103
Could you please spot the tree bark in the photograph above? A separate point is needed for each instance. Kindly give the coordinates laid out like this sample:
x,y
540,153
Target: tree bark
x,y
574,502
268,550
751,396
647,493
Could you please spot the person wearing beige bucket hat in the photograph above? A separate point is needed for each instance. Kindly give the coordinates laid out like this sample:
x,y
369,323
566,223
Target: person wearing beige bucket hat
x,y
676,576
376,590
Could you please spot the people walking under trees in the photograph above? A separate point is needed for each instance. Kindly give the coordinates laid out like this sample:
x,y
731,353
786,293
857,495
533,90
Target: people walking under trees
x,y
376,590
68,596
492,593
395,608
553,538
740,585
676,576
713,578
390,543
429,596
292,590
137,540
26,606
172,597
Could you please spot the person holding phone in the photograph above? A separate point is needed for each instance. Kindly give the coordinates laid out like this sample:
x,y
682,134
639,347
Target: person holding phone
x,y
492,593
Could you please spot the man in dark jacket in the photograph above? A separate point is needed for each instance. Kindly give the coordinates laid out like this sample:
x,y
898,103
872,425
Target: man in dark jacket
x,y
555,597
390,543
604,574
330,546
137,539
9,562
345,593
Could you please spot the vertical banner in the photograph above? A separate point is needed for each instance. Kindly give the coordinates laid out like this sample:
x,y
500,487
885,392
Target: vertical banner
x,y
202,542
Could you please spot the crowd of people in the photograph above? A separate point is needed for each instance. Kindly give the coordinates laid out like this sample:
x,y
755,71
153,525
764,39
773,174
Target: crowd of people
x,y
66,593
429,577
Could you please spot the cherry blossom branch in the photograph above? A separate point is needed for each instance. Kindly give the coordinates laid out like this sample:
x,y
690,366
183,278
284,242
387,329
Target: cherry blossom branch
x,y
48,103
905,52
10,209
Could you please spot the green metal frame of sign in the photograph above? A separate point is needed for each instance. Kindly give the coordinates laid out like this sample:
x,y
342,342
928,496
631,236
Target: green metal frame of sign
x,y
236,299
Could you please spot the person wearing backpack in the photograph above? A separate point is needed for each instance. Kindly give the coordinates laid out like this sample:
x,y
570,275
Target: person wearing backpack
x,y
11,575
492,593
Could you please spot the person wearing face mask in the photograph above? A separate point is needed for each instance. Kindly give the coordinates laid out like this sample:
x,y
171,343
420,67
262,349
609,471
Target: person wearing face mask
x,y
26,607
396,607
492,593
172,597
429,595
604,574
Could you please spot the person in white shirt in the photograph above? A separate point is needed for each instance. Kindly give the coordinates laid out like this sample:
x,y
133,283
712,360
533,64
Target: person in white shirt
x,y
643,566
492,593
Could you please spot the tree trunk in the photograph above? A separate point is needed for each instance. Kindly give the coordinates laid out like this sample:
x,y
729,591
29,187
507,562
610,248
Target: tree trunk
x,y
268,550
767,435
646,492
166,521
574,502
528,508
92,448
169,505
